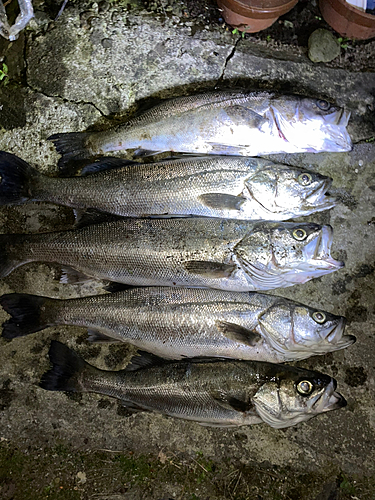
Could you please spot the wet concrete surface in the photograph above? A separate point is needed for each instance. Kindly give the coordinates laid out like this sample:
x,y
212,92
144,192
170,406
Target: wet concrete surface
x,y
91,67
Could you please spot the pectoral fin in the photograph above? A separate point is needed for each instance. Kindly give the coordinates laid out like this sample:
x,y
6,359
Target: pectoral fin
x,y
209,269
241,403
244,116
221,201
238,333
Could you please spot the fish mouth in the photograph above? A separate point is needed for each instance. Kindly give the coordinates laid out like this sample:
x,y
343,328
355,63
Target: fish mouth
x,y
319,199
335,336
339,118
318,251
328,400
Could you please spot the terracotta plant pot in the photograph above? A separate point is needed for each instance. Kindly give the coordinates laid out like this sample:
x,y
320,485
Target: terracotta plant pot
x,y
347,20
253,15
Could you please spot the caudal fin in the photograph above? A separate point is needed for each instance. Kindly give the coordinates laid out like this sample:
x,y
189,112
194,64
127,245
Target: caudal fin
x,y
26,314
17,180
65,372
72,146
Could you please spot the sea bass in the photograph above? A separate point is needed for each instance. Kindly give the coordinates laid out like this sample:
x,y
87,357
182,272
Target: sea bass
x,y
219,392
190,252
226,187
182,322
222,123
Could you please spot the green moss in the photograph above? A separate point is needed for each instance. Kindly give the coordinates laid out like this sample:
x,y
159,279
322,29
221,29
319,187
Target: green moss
x,y
57,472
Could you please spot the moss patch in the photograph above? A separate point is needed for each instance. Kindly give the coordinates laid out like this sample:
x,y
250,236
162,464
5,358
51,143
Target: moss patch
x,y
66,474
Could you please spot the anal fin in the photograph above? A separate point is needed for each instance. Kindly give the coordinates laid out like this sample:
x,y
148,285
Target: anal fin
x,y
98,337
71,276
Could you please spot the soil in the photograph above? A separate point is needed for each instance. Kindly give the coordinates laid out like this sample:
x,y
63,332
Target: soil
x,y
290,32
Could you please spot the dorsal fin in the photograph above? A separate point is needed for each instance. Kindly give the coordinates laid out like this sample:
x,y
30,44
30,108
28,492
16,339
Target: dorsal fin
x,y
106,163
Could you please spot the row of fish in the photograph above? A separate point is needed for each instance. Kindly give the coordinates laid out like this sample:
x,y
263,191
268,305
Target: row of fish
x,y
195,267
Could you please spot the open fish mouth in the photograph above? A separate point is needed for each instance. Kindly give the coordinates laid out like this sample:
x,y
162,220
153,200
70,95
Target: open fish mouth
x,y
335,335
319,197
318,251
328,400
339,118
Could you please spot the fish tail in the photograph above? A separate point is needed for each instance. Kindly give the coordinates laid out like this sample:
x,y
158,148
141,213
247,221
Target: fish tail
x,y
66,371
17,180
11,253
72,146
26,313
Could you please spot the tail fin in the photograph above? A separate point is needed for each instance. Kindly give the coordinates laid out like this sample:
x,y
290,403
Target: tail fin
x,y
26,314
17,178
72,146
11,253
65,372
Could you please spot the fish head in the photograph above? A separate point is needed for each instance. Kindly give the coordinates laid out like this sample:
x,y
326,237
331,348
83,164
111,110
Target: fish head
x,y
310,125
284,254
295,395
289,190
297,331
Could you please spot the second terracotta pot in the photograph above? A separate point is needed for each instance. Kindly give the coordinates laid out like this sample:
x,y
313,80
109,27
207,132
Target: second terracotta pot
x,y
347,20
251,16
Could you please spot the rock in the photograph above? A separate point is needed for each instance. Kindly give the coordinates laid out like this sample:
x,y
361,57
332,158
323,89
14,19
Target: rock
x,y
323,46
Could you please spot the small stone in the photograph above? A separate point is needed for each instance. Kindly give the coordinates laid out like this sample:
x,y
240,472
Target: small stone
x,y
81,476
323,46
107,43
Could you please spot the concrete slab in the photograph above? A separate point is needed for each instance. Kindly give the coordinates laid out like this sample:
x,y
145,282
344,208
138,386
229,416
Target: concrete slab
x,y
101,60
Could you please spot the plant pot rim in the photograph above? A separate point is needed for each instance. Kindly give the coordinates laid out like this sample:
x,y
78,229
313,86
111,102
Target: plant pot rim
x,y
358,17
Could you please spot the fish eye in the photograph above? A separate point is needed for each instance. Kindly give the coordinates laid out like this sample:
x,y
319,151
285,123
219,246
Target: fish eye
x,y
319,317
323,105
305,179
299,234
305,387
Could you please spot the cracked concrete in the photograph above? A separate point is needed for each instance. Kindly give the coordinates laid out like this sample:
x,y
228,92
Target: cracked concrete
x,y
96,65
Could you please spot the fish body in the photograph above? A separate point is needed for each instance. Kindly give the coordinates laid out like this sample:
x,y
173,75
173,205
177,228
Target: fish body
x,y
223,123
176,323
190,252
219,392
225,187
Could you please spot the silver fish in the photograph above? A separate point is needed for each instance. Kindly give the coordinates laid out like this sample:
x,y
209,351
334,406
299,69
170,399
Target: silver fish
x,y
219,392
226,187
176,323
224,123
190,252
